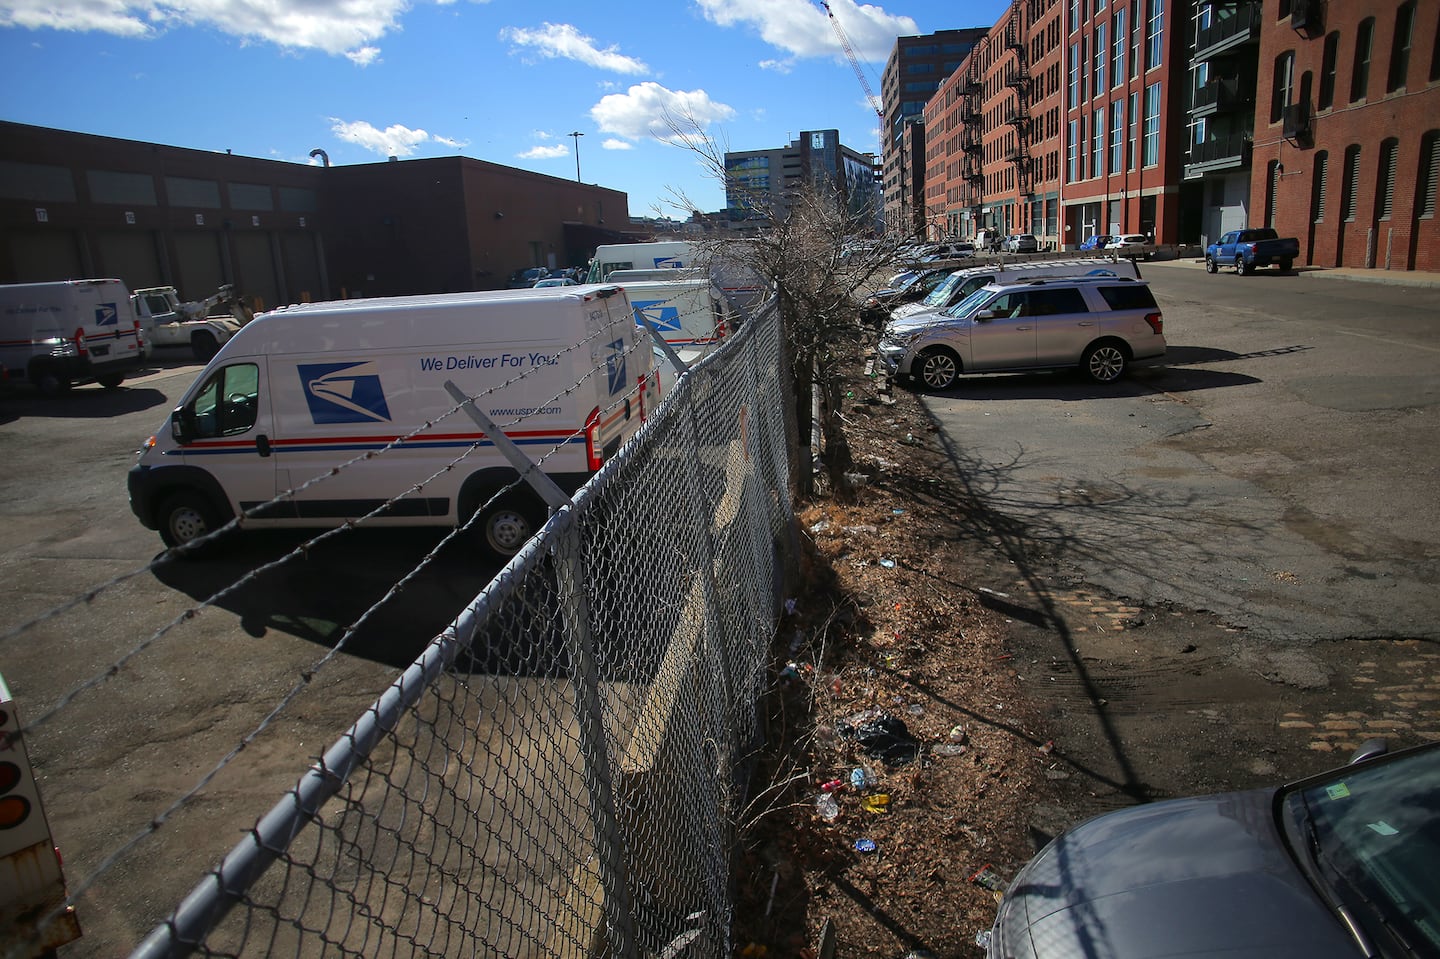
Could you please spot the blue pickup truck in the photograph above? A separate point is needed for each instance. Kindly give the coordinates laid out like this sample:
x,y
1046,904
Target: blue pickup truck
x,y
1247,249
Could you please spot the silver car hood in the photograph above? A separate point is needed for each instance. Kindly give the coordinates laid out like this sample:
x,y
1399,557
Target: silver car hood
x,y
1208,876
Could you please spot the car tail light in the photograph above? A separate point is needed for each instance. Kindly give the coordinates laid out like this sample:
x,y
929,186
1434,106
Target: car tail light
x,y
79,341
594,452
1156,321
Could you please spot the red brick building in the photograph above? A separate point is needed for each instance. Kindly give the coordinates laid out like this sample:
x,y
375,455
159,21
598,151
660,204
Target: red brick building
x,y
1346,152
1124,94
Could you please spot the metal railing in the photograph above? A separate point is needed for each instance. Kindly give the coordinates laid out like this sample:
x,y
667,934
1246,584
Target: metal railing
x,y
558,773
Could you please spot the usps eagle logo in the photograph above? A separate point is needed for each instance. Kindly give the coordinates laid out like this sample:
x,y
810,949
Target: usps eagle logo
x,y
344,392
662,316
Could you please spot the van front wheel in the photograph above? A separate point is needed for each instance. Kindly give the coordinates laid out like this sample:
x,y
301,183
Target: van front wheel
x,y
185,517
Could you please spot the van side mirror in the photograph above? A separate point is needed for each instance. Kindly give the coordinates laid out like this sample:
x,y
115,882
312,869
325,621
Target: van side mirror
x,y
182,424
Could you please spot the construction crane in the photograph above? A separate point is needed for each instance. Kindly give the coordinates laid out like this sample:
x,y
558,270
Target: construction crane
x,y
870,96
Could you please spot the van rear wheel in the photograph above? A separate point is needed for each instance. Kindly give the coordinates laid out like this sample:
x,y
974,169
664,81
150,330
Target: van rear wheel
x,y
110,380
508,524
203,345
185,517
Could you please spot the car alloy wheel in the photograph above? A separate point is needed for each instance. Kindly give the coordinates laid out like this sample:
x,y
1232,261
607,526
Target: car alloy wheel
x,y
1105,362
939,368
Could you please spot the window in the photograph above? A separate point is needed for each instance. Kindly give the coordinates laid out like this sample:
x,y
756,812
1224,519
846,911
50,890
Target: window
x,y
1435,58
1385,186
1117,47
1071,136
1350,189
1400,46
1152,125
1137,24
227,404
1074,79
1282,91
1360,75
1128,297
1097,143
1327,71
1074,15
1134,111
1097,60
1117,136
1272,187
1317,190
1155,39
1429,173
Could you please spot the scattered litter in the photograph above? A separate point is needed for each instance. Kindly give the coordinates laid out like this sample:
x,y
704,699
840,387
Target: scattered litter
x,y
862,528
798,640
987,878
915,709
820,527
888,563
878,803
834,785
861,778
1048,748
982,939
827,807
994,592
789,607
884,737
958,734
948,749
897,511
864,845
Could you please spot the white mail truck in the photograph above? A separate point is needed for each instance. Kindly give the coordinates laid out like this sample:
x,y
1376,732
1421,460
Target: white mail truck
x,y
57,334
319,414
689,312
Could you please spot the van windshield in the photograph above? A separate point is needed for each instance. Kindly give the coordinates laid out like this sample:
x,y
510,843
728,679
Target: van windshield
x,y
941,294
970,304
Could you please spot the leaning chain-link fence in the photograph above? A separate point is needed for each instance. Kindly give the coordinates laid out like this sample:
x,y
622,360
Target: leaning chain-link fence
x,y
558,773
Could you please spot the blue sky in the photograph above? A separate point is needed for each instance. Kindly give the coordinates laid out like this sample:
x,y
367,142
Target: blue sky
x,y
502,81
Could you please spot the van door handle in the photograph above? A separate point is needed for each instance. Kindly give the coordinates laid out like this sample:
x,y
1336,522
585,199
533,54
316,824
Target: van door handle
x,y
1087,323
262,444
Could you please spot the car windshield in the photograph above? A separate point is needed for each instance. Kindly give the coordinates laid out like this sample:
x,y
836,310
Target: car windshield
x,y
938,296
970,304
1373,833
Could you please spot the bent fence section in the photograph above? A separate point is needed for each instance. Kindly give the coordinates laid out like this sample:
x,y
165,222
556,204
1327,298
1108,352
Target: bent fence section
x,y
558,774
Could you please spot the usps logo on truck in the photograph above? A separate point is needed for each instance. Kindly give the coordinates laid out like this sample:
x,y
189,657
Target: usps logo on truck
x,y
106,315
668,263
615,368
666,319
344,392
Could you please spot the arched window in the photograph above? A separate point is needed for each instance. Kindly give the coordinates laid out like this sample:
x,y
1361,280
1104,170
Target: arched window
x,y
1400,46
1360,74
1282,90
1317,187
1327,71
1350,188
1385,179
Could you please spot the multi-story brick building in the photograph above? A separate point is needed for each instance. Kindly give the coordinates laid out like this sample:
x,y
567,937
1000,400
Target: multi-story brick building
x,y
992,131
1125,87
914,71
1347,131
759,184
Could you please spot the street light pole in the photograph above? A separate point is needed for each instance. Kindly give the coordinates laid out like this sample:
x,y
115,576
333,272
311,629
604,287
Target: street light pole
x,y
577,135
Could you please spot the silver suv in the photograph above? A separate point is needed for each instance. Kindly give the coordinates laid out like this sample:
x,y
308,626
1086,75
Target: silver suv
x,y
1098,324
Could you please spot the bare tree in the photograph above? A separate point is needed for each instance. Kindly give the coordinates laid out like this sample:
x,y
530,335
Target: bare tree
x,y
812,250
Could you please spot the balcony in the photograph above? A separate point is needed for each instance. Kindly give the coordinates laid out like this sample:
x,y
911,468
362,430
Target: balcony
x,y
1222,153
1228,32
1222,96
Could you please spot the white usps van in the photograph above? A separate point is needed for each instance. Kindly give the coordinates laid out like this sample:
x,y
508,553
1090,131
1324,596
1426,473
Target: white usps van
x,y
318,414
691,314
65,332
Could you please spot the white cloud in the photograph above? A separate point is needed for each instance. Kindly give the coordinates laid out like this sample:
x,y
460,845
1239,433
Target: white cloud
x,y
650,110
778,66
613,143
345,28
452,142
801,28
364,56
562,41
545,153
395,140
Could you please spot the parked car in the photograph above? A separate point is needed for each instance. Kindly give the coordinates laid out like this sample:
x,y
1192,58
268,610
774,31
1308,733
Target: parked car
x,y
1096,241
988,241
555,281
1247,249
1339,864
949,251
876,307
1022,243
1099,324
524,279
962,283
1131,244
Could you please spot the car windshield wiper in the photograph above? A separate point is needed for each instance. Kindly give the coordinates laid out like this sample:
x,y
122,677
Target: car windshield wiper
x,y
1324,867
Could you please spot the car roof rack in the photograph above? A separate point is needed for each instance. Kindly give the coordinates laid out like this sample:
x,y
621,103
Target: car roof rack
x,y
1042,280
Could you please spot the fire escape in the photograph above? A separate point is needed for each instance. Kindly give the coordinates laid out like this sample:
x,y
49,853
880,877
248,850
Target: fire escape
x,y
1018,79
972,95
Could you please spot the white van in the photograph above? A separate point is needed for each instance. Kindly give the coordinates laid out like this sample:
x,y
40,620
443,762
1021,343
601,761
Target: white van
x,y
70,331
344,403
962,283
658,255
691,314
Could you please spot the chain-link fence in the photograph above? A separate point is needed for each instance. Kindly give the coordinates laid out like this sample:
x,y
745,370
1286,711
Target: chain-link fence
x,y
558,773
